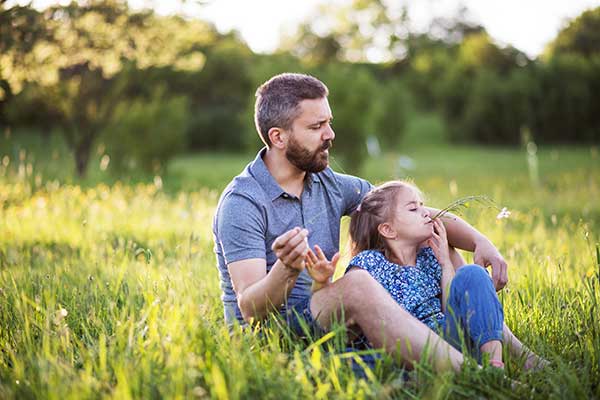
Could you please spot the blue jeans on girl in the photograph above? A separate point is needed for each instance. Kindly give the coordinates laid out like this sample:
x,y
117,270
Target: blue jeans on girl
x,y
474,315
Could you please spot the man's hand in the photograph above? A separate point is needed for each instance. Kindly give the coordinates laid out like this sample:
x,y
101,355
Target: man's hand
x,y
487,254
291,248
319,267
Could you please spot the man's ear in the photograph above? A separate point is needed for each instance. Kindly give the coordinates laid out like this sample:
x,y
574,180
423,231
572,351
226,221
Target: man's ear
x,y
386,231
278,137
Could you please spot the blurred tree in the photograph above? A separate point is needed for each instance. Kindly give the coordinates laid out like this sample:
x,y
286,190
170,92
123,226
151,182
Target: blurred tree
x,y
496,108
390,112
361,31
481,91
222,90
478,51
85,99
21,27
566,103
146,132
453,28
75,63
581,36
355,110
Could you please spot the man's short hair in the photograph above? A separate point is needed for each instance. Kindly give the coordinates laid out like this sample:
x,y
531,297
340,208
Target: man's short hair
x,y
278,100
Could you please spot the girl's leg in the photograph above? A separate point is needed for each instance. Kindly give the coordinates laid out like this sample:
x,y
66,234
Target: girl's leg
x,y
456,258
519,350
514,345
473,308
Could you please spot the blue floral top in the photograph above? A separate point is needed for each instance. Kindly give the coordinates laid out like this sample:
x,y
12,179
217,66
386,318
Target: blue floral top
x,y
416,288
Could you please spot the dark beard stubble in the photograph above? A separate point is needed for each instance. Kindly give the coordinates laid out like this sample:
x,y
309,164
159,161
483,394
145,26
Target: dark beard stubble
x,y
306,160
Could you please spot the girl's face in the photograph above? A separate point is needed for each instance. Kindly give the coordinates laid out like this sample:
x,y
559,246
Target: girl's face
x,y
410,219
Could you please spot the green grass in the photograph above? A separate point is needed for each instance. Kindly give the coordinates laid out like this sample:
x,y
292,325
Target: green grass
x,y
131,263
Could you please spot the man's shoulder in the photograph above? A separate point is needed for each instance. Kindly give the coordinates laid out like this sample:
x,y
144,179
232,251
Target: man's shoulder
x,y
340,180
243,185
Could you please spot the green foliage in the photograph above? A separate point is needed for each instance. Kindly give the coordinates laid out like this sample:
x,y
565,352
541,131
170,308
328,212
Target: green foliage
x,y
146,132
82,61
580,37
220,94
393,99
31,109
85,99
565,104
354,109
494,111
64,69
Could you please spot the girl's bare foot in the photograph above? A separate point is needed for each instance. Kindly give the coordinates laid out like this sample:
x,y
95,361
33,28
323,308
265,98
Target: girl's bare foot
x,y
533,362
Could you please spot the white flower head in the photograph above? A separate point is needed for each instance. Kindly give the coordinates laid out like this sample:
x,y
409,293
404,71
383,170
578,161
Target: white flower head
x,y
504,213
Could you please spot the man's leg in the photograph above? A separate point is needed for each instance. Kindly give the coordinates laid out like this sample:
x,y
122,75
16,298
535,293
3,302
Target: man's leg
x,y
362,300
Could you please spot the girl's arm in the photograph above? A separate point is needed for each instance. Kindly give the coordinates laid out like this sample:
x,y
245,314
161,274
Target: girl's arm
x,y
439,245
447,276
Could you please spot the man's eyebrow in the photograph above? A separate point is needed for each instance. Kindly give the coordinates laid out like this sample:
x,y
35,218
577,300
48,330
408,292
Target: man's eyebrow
x,y
322,121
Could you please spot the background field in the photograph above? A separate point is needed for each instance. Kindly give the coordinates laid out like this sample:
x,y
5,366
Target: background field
x,y
108,289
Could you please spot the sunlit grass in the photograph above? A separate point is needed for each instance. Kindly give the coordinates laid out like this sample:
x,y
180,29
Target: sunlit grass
x,y
112,291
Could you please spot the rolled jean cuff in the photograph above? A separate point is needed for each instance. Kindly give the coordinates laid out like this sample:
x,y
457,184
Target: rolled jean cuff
x,y
489,336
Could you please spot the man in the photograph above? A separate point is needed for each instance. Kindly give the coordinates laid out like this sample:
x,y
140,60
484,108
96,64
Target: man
x,y
288,200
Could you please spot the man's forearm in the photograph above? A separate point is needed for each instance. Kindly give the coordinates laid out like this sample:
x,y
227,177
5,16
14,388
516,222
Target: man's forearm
x,y
463,236
460,234
269,293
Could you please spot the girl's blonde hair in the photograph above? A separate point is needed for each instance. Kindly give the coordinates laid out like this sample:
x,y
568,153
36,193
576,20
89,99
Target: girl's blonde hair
x,y
376,208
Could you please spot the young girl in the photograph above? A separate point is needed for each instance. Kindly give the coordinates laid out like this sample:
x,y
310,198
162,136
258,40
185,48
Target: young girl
x,y
394,239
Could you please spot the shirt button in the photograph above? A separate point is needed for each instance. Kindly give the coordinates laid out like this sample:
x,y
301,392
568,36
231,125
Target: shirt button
x,y
285,196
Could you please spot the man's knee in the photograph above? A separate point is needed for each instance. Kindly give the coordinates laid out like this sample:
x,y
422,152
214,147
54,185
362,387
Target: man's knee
x,y
359,282
357,288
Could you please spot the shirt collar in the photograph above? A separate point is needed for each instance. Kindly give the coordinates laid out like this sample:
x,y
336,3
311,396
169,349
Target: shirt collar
x,y
259,170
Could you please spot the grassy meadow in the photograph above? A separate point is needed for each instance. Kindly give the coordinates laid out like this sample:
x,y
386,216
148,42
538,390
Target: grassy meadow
x,y
108,288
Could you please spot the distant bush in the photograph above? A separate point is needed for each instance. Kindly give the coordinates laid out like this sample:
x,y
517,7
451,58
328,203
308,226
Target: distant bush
x,y
391,114
495,110
567,101
146,133
32,108
353,99
219,99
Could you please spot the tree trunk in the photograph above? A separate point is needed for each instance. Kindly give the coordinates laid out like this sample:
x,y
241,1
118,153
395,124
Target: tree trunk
x,y
82,156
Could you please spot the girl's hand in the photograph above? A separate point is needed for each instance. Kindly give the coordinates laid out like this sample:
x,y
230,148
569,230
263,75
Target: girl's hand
x,y
439,243
319,267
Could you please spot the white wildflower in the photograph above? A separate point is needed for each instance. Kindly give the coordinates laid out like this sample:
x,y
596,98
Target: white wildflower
x,y
504,213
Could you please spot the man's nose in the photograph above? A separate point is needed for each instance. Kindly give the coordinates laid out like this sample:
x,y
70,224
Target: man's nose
x,y
329,133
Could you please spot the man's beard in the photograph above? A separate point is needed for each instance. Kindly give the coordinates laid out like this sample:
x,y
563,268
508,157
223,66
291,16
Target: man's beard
x,y
304,159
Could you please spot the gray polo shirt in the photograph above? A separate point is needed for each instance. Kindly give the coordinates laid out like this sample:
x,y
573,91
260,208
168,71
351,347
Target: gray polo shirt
x,y
254,210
